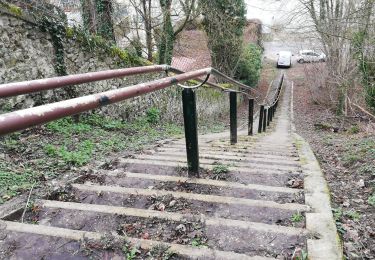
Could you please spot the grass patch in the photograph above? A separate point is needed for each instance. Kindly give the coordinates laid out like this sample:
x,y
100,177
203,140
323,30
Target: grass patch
x,y
354,129
161,252
297,217
354,215
360,151
14,182
337,215
79,156
197,242
220,172
68,127
153,115
130,253
62,144
371,200
350,158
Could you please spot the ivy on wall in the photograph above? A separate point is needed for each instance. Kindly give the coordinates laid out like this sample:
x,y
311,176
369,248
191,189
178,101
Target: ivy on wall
x,y
56,28
104,11
365,56
167,37
97,18
96,43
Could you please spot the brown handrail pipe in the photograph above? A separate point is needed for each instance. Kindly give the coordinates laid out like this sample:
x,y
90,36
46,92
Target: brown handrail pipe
x,y
25,87
26,118
213,71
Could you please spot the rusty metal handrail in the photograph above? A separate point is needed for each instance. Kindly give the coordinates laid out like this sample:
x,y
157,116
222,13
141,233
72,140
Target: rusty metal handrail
x,y
278,92
235,82
26,87
22,119
266,113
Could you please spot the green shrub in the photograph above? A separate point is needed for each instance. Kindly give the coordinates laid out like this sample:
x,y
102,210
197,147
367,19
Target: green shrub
x,y
249,65
78,157
220,172
50,150
153,115
297,217
354,215
67,126
354,129
371,200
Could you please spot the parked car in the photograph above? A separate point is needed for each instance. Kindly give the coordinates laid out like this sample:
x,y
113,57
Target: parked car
x,y
310,56
285,59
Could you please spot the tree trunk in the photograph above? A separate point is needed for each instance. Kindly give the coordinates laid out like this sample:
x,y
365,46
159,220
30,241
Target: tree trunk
x,y
146,5
89,15
104,11
167,35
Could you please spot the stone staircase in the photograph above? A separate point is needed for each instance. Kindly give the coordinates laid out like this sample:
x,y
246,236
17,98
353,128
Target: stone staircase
x,y
248,204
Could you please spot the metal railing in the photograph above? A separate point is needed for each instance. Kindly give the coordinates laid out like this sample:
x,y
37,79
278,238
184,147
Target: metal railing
x,y
23,119
267,112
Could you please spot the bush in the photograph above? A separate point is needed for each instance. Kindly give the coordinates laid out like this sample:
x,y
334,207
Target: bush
x,y
249,65
153,115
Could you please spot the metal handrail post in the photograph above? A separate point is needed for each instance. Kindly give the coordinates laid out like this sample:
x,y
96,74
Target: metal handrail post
x,y
233,117
191,131
261,113
251,117
265,119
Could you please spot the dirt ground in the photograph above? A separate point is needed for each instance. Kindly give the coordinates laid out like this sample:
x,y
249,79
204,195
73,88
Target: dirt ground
x,y
345,148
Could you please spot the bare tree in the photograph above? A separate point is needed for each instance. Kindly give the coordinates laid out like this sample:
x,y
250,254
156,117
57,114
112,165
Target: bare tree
x,y
169,34
336,23
144,9
89,15
97,17
162,21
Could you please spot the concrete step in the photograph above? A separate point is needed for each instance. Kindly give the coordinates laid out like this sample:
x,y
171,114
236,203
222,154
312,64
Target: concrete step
x,y
200,186
192,196
293,161
230,150
217,183
78,235
292,166
239,146
143,213
229,155
245,169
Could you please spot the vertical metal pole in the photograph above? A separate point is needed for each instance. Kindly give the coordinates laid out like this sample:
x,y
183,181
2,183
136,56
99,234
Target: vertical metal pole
x,y
251,117
191,131
261,113
233,117
264,120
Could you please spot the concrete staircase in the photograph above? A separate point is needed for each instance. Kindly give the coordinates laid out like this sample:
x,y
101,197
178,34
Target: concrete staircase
x,y
248,204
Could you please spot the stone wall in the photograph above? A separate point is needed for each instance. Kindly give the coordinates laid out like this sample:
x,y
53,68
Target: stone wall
x,y
27,53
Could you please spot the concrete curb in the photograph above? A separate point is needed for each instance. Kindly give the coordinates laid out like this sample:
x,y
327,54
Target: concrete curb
x,y
325,243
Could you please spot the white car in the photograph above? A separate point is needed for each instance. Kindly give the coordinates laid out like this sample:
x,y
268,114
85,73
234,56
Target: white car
x,y
285,59
310,56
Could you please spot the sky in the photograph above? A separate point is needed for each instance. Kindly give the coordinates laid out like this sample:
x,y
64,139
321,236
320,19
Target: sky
x,y
270,11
